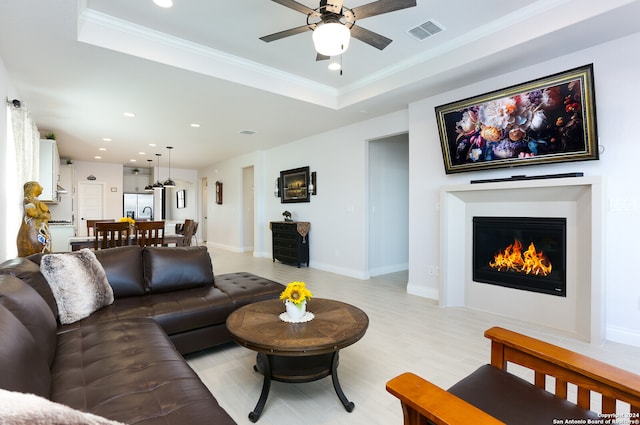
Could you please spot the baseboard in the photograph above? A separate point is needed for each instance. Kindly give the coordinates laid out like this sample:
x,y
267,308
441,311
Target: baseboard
x,y
623,335
421,291
225,247
357,274
378,271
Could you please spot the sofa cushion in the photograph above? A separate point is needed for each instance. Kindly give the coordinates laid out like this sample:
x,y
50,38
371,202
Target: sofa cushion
x,y
512,399
128,370
123,266
170,269
176,312
32,311
24,367
79,283
28,270
27,409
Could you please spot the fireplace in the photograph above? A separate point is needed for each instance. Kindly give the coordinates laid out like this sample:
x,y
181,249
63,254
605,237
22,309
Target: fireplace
x,y
526,253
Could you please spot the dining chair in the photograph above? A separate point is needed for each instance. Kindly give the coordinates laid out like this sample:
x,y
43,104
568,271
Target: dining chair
x,y
149,233
188,232
91,224
111,234
195,231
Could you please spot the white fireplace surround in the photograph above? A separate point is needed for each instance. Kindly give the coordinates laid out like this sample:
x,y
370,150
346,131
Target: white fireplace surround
x,y
580,200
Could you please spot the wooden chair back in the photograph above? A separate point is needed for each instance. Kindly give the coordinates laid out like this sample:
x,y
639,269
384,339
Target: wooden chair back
x,y
91,224
150,233
111,234
188,232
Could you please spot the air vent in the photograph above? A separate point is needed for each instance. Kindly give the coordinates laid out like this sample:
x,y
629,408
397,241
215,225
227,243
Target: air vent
x,y
426,30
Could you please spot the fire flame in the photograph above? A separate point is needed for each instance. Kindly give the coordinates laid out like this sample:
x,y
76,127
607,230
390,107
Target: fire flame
x,y
529,261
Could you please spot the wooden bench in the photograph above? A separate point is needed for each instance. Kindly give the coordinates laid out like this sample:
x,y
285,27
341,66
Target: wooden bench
x,y
425,403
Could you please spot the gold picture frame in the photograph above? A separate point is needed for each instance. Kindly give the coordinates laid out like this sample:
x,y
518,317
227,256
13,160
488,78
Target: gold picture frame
x,y
551,119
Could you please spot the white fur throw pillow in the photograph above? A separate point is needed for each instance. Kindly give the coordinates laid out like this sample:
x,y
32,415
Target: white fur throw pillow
x,y
78,282
28,409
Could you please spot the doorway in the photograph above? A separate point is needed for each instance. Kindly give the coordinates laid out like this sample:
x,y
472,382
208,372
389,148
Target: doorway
x,y
90,204
388,205
204,214
248,215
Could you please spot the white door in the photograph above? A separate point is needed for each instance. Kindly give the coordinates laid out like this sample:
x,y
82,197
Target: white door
x,y
90,204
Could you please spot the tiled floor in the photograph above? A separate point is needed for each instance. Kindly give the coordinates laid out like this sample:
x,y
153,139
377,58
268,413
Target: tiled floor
x,y
406,333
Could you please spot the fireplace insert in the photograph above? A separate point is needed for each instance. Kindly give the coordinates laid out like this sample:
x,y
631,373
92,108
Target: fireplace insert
x,y
527,253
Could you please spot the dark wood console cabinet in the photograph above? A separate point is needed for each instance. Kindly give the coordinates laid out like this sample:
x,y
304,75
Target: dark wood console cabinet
x,y
290,241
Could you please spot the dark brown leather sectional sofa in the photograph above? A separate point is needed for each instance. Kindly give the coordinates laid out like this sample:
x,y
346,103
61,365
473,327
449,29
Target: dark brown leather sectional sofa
x,y
124,362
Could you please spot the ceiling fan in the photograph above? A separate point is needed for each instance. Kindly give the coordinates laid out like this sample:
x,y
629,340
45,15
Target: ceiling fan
x,y
333,24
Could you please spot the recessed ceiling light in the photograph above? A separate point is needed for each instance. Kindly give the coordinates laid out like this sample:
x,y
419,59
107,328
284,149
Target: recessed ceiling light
x,y
194,125
132,160
163,3
142,153
247,132
335,66
102,149
106,139
97,157
129,114
153,145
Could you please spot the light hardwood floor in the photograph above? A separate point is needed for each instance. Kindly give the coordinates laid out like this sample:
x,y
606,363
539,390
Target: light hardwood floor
x,y
406,333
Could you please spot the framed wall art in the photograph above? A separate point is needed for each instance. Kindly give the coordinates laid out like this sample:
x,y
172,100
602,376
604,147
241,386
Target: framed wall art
x,y
551,119
294,185
219,192
180,198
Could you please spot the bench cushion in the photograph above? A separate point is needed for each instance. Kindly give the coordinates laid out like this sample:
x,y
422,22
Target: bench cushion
x,y
513,400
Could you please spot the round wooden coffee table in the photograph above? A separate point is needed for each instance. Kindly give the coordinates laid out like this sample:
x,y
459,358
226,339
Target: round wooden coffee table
x,y
297,352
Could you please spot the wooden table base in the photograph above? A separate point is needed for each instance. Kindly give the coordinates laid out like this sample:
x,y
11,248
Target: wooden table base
x,y
296,370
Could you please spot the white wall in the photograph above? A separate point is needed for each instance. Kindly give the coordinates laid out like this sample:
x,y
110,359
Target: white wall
x,y
617,89
225,228
338,213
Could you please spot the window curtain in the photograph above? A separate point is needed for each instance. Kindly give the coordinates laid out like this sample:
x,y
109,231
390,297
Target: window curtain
x,y
21,165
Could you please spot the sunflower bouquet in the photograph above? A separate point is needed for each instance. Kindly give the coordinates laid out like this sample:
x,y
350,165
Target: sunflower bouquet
x,y
296,292
129,220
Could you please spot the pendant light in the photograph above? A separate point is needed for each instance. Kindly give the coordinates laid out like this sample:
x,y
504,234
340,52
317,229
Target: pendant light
x,y
168,182
157,184
148,187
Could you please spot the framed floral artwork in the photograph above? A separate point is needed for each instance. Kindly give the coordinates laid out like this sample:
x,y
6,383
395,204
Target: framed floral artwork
x,y
551,119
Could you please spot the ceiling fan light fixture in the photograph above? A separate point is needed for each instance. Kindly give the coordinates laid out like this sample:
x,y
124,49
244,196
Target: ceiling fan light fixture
x,y
331,39
334,66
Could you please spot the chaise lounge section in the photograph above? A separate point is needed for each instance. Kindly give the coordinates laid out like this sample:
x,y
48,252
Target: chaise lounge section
x,y
124,361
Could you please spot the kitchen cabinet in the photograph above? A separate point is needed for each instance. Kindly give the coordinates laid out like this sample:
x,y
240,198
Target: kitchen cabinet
x,y
49,170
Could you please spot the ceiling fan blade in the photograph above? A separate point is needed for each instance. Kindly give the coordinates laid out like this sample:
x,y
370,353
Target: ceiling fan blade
x,y
291,4
320,57
371,38
381,6
287,33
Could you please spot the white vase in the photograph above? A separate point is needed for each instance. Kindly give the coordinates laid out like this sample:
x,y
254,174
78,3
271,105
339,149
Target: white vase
x,y
296,311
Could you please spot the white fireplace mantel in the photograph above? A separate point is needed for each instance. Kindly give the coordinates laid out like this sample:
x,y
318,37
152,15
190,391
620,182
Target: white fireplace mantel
x,y
580,200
